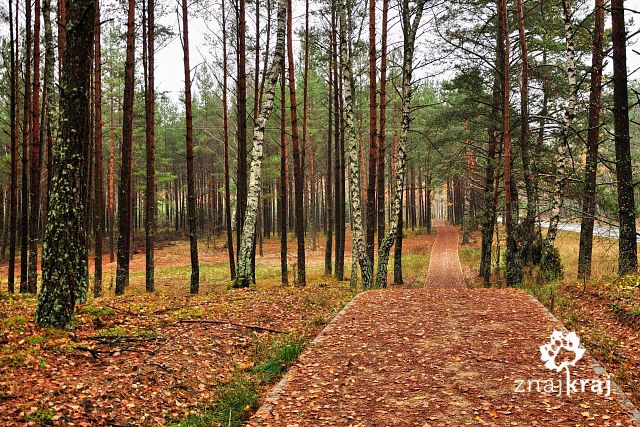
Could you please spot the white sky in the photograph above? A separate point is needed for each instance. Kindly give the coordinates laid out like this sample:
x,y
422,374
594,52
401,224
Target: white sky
x,y
170,75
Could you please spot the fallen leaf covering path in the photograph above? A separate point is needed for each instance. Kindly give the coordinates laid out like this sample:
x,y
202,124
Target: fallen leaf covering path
x,y
444,264
438,356
435,357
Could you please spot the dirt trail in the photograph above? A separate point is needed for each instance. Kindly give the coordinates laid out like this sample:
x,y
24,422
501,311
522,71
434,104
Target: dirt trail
x,y
434,357
444,265
439,356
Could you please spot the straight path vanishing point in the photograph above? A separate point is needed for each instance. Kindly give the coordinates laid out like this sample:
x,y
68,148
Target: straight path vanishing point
x,y
445,356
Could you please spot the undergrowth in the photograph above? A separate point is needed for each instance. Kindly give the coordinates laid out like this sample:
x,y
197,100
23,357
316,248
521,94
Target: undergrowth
x,y
239,397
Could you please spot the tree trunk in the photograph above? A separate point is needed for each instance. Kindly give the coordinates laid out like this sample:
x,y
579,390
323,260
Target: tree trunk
x,y
373,135
282,190
36,148
514,271
489,214
225,126
383,121
14,117
245,275
64,256
627,258
557,196
150,150
99,181
529,182
409,36
27,123
328,268
298,174
191,190
241,119
124,192
593,140
359,244
338,136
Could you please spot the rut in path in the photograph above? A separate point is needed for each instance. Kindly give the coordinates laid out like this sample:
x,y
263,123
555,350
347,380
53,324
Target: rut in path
x,y
444,264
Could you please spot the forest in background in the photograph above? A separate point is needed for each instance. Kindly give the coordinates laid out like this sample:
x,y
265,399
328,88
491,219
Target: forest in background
x,y
520,112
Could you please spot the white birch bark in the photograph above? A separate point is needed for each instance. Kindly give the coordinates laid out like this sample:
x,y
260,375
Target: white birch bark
x,y
567,121
409,29
244,271
359,245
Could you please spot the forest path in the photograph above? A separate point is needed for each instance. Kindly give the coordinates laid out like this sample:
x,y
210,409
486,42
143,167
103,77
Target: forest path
x,y
444,264
437,356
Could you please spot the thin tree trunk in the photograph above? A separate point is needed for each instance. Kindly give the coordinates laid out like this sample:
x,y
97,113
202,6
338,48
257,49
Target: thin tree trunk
x,y
282,190
557,196
191,190
64,271
328,268
99,180
297,156
36,147
150,197
14,117
124,193
225,126
244,274
112,182
383,121
410,29
339,149
525,150
373,136
627,258
27,124
593,140
241,120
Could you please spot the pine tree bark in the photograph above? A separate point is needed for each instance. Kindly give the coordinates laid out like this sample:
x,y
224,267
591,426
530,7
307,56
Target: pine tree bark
x,y
298,174
371,223
225,127
593,141
282,189
191,185
27,123
13,206
36,147
410,30
99,179
383,120
338,137
245,275
358,238
489,213
627,244
241,121
328,267
65,250
150,196
124,192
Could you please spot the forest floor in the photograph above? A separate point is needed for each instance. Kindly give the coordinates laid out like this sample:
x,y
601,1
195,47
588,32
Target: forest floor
x,y
167,358
604,311
435,357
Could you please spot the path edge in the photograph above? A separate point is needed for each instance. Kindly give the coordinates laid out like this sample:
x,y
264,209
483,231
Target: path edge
x,y
276,392
621,397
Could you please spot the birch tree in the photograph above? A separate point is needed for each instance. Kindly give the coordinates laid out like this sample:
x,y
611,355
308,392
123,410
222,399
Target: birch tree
x,y
409,36
567,121
244,273
359,244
